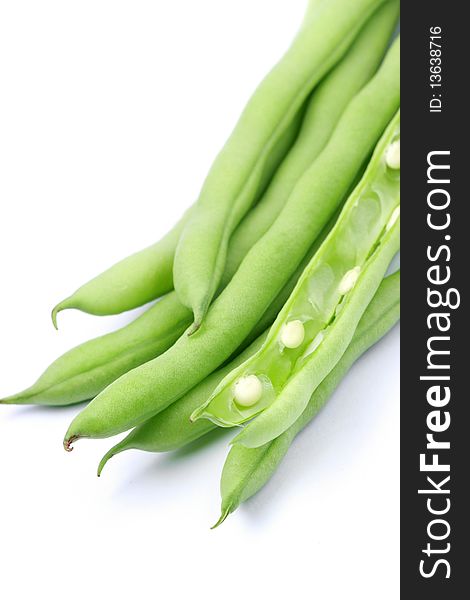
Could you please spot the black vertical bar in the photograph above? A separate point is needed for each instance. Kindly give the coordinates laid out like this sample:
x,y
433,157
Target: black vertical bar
x,y
423,132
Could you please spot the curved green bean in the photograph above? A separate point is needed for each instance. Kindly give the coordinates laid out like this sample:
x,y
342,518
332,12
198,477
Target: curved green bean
x,y
148,389
316,324
84,371
172,429
132,282
247,470
255,148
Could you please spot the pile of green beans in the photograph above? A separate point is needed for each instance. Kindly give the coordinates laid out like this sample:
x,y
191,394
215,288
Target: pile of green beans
x,y
86,370
272,284
148,274
173,429
146,390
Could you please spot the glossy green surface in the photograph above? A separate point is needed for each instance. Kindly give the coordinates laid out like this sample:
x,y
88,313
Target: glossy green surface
x,y
172,428
86,370
323,111
317,300
148,274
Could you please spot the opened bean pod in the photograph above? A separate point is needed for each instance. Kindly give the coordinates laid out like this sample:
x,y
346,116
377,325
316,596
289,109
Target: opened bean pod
x,y
247,470
317,323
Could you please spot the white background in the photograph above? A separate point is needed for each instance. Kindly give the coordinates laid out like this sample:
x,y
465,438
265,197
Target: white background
x,y
110,116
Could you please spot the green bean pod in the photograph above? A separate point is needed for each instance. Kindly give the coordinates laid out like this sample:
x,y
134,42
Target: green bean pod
x,y
254,150
148,274
318,321
247,470
292,400
132,282
150,388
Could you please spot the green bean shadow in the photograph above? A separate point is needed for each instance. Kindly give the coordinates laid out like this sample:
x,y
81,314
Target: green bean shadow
x,y
200,444
266,500
163,461
155,471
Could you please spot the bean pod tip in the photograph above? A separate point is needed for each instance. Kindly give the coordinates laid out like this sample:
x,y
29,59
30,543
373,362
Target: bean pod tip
x,y
70,302
109,454
54,313
56,310
225,513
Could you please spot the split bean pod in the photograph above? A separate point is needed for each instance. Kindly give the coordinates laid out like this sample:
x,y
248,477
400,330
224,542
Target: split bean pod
x,y
172,428
316,324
